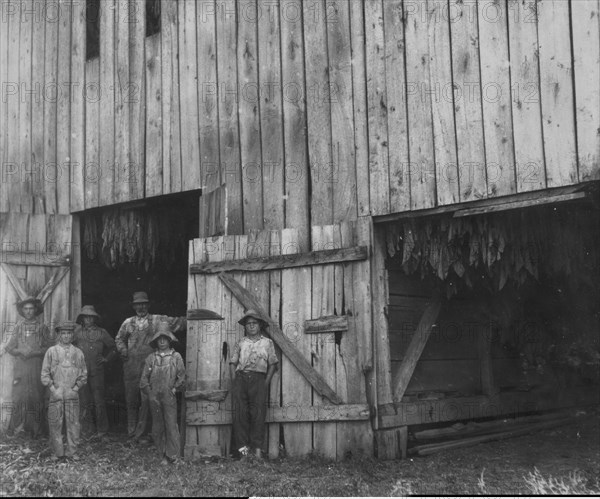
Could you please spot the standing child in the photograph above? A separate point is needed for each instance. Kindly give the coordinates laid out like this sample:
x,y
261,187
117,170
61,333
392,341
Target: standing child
x,y
253,364
163,375
64,373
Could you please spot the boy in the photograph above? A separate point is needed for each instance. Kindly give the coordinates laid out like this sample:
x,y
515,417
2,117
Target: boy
x,y
64,373
253,364
163,375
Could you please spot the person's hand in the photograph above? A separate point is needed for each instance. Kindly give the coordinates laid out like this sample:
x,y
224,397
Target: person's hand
x,y
57,393
173,391
101,360
124,356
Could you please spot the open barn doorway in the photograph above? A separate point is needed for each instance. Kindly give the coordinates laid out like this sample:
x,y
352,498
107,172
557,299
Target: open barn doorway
x,y
140,246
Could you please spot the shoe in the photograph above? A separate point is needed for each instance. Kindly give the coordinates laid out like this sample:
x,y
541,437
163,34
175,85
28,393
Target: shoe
x,y
164,461
244,451
174,460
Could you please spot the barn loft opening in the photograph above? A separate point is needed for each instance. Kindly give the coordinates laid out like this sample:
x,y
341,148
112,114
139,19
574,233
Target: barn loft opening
x,y
525,280
140,246
92,29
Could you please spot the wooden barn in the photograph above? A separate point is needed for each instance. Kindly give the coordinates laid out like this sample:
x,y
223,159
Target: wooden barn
x,y
408,189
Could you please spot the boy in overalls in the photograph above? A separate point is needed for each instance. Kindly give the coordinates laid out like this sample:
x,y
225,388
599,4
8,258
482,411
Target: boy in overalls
x,y
64,373
163,375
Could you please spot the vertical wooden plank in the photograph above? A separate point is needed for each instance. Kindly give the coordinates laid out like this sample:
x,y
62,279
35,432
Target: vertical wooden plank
x,y
379,101
359,89
585,19
557,90
323,347
323,169
75,274
467,100
419,112
495,81
153,138
76,168
58,235
249,115
37,112
137,98
295,309
207,104
57,172
170,97
4,117
271,125
92,153
63,114
440,83
486,372
294,121
122,87
25,104
190,77
274,312
12,166
225,92
107,107
342,112
36,241
525,92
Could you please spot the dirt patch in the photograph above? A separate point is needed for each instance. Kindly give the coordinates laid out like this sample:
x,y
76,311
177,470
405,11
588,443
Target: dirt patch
x,y
114,468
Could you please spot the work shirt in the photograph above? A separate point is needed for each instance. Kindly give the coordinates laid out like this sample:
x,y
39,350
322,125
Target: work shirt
x,y
163,371
64,367
28,337
92,341
254,356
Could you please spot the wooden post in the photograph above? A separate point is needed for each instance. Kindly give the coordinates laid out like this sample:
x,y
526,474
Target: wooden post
x,y
485,362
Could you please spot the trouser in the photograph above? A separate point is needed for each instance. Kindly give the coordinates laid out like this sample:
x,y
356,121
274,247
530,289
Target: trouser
x,y
92,402
28,396
249,393
137,402
165,432
67,411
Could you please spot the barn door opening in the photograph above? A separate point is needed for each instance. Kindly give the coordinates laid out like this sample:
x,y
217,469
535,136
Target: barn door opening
x,y
132,247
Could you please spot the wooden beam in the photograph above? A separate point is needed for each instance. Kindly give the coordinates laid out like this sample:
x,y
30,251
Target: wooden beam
x,y
201,314
38,258
287,347
211,395
57,276
415,348
326,324
14,281
286,414
323,257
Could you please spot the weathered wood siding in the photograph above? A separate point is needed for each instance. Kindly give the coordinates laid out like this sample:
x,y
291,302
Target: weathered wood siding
x,y
311,112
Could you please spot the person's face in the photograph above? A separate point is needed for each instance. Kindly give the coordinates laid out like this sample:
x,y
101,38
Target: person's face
x,y
28,311
141,309
66,336
163,343
89,320
252,327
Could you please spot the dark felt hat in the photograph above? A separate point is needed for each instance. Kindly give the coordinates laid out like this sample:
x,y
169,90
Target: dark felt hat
x,y
254,314
65,326
87,310
163,329
140,297
39,308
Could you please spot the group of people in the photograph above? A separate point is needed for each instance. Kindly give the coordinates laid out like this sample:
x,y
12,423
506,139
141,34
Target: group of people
x,y
70,364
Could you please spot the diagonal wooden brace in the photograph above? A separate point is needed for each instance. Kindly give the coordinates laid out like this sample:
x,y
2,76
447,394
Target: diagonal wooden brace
x,y
288,349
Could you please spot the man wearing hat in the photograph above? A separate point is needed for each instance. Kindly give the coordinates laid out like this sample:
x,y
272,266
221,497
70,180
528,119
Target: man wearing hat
x,y
64,373
253,364
27,342
98,349
162,377
133,344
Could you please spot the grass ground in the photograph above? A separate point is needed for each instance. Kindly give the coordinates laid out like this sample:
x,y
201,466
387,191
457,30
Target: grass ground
x,y
569,455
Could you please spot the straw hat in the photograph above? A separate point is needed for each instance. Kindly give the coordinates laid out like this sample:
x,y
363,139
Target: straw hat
x,y
65,326
39,308
87,310
163,329
140,297
254,314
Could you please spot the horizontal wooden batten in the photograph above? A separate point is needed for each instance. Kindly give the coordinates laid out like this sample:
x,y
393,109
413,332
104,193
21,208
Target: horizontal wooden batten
x,y
42,259
323,257
288,414
534,198
327,324
201,314
211,395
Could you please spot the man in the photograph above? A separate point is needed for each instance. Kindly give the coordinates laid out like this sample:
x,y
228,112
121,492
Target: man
x,y
133,344
64,373
253,364
28,343
98,349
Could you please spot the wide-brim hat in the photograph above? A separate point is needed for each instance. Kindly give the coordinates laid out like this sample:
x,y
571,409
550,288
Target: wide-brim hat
x,y
255,315
140,297
65,326
88,310
37,303
163,329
